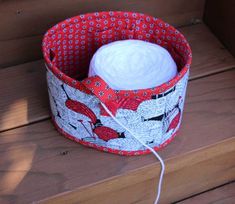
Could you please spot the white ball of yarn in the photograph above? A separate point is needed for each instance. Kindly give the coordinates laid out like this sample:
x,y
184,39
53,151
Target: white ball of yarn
x,y
132,65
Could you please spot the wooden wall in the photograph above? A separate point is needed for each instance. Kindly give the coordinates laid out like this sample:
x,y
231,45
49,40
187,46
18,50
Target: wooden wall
x,y
23,22
220,17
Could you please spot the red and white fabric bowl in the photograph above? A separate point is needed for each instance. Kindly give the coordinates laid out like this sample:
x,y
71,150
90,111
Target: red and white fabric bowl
x,y
154,114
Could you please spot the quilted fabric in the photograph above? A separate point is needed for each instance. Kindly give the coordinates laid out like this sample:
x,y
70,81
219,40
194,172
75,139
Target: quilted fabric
x,y
75,99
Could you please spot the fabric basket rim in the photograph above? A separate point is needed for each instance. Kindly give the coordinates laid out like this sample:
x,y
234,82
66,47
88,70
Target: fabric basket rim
x,y
117,14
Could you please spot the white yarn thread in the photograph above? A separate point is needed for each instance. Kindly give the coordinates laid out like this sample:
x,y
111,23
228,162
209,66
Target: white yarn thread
x,y
148,147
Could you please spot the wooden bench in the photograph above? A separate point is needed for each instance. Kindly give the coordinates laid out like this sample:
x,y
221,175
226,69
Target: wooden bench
x,y
39,165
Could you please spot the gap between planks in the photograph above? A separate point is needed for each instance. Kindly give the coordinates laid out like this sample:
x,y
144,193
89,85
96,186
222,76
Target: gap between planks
x,y
224,193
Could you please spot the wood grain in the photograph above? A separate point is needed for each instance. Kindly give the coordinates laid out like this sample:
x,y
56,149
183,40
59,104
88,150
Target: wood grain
x,y
209,56
29,18
18,51
23,95
221,195
37,163
220,17
184,179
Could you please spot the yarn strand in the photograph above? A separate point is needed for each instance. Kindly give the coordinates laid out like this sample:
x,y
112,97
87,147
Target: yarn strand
x,y
148,147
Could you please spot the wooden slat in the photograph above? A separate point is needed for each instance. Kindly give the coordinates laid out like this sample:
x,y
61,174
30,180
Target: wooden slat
x,y
181,180
29,18
220,17
222,195
18,51
23,95
38,163
208,57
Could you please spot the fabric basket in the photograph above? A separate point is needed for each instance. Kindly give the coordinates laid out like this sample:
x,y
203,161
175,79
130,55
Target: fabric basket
x,y
154,114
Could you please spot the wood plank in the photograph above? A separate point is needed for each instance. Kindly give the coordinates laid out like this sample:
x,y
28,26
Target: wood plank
x,y
23,95
220,17
209,56
18,51
29,18
178,182
221,195
36,163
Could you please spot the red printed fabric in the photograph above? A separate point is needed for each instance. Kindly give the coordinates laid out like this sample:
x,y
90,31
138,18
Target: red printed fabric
x,y
75,99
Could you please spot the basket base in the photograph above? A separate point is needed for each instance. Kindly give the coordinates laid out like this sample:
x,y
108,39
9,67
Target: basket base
x,y
110,150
